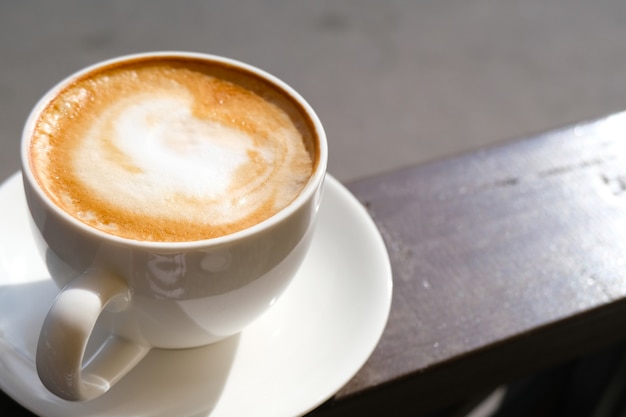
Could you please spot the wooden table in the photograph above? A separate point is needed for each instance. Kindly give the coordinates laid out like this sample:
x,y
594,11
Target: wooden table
x,y
506,261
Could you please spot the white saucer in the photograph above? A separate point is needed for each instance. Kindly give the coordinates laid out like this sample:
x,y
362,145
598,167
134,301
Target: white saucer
x,y
296,356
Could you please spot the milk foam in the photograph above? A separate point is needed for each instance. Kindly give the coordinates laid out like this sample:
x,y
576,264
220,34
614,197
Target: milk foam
x,y
150,160
171,156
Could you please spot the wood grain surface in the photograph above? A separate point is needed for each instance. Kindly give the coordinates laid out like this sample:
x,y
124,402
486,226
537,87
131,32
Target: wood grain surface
x,y
505,261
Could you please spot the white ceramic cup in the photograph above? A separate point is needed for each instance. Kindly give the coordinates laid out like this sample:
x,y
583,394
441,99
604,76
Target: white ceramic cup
x,y
158,294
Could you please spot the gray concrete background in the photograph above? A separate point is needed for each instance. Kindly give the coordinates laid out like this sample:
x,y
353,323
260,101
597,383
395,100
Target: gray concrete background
x,y
395,82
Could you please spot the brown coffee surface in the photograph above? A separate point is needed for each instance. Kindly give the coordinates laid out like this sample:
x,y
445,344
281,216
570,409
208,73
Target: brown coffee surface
x,y
172,149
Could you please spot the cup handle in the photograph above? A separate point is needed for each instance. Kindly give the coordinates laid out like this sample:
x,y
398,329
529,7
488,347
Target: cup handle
x,y
66,331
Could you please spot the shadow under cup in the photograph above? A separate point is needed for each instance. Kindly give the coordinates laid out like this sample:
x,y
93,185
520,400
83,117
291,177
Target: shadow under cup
x,y
163,294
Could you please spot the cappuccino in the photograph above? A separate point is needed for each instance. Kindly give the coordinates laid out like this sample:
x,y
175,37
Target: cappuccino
x,y
172,149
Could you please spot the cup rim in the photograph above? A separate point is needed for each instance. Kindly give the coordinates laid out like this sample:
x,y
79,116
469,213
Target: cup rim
x,y
307,193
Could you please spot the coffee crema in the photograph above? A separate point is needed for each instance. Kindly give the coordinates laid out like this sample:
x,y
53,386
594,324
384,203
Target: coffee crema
x,y
172,149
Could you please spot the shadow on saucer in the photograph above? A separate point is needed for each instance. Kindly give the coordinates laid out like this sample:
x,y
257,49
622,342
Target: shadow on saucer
x,y
183,382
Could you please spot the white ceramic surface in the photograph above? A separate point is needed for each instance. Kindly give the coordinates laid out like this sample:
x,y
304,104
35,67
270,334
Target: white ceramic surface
x,y
297,355
159,290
